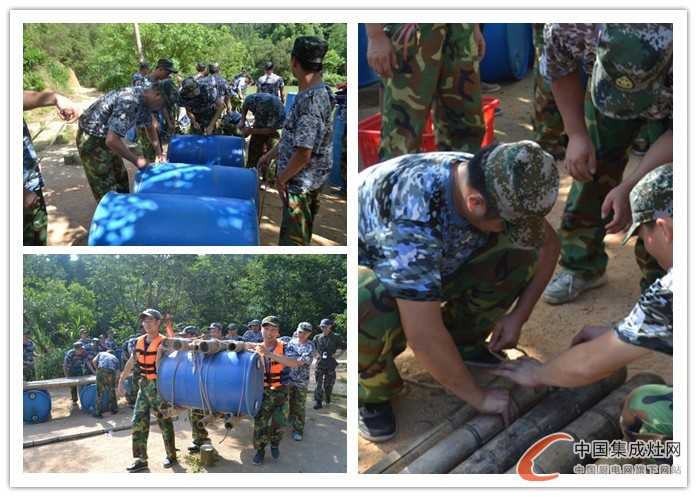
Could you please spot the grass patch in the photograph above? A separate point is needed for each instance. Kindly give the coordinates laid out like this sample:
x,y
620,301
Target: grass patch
x,y
194,460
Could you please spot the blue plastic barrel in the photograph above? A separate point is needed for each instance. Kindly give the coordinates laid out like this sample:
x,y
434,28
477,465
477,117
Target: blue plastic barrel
x,y
366,76
88,398
206,149
37,406
225,382
198,179
290,98
132,135
508,51
158,219
335,177
127,385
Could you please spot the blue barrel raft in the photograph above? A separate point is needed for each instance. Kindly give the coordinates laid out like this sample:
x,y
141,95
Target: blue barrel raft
x,y
88,398
224,382
158,219
37,406
366,75
198,179
212,150
508,52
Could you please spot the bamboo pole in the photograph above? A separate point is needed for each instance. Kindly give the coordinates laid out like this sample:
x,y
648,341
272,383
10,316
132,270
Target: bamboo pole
x,y
59,382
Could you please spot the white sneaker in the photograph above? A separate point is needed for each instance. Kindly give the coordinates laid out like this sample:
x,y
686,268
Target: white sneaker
x,y
565,287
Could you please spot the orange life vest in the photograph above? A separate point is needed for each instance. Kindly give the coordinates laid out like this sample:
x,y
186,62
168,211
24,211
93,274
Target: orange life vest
x,y
146,358
277,374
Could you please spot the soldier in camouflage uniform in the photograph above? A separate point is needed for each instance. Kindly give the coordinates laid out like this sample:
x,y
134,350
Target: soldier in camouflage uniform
x,y
203,105
29,353
221,85
269,114
328,346
637,56
304,153
424,68
107,366
139,77
302,348
271,83
74,365
102,128
597,351
451,249
34,205
253,333
270,420
148,396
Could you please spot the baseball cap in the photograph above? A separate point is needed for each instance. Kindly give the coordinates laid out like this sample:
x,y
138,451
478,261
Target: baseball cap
x,y
268,65
144,65
630,70
216,325
83,330
191,330
214,67
200,66
326,322
304,326
152,313
26,331
651,198
272,320
232,326
189,88
310,49
522,181
167,64
77,345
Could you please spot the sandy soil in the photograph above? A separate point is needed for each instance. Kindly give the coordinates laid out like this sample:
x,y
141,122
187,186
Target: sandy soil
x,y
71,206
550,328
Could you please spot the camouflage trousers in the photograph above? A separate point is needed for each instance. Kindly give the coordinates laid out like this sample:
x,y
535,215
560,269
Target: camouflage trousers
x,y
36,223
198,435
257,144
582,230
648,415
73,390
106,380
104,169
145,144
203,121
438,71
29,373
324,383
148,399
474,298
297,398
235,103
299,218
135,387
270,420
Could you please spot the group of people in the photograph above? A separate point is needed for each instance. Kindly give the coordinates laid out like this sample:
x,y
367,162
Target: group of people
x,y
454,249
300,142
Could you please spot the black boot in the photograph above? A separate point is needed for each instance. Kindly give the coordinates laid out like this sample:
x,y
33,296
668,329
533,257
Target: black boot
x,y
376,422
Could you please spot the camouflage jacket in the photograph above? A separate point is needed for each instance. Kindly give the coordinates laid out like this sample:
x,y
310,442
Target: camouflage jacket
x,y
204,102
137,79
308,125
222,87
409,232
32,173
268,110
270,83
117,111
650,324
28,354
300,376
73,362
252,336
565,47
107,361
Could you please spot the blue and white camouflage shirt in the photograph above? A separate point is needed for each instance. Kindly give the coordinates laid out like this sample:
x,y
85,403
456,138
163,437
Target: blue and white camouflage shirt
x,y
270,83
73,362
117,111
137,79
32,173
650,324
409,232
268,110
108,361
308,125
300,376
252,336
204,102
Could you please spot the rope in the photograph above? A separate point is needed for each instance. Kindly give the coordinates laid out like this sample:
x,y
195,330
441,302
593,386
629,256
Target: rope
x,y
50,143
266,184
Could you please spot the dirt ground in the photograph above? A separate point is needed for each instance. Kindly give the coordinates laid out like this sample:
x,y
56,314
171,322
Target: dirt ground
x,y
550,328
70,203
322,450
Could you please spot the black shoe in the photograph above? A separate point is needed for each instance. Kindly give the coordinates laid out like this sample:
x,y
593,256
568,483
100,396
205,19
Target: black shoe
x,y
114,411
328,399
487,359
258,458
275,453
193,448
169,462
318,405
137,466
376,422
98,416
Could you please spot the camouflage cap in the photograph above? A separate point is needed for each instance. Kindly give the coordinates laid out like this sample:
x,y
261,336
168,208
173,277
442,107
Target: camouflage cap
x,y
310,49
152,313
77,345
191,330
233,326
167,64
523,182
214,67
630,70
215,325
144,65
651,198
272,320
305,326
189,88
268,65
200,66
169,90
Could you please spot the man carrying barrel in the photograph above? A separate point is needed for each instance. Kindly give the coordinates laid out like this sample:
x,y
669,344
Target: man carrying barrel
x,y
107,366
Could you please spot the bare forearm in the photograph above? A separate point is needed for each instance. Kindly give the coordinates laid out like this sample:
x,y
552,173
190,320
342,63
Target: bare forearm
x,y
569,95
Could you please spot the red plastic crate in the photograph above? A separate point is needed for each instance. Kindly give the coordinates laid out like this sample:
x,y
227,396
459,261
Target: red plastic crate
x,y
369,133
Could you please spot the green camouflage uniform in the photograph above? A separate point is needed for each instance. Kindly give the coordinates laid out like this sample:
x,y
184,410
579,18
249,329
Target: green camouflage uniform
x,y
413,245
272,407
106,380
268,112
439,71
148,399
199,435
35,220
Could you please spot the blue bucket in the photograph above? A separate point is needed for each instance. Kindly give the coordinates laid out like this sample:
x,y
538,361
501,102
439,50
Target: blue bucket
x,y
88,398
366,75
159,219
290,98
508,52
198,179
225,382
212,150
37,406
335,177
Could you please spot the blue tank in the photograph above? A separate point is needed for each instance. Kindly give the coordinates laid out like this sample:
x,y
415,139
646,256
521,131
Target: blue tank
x,y
158,219
225,382
198,179
216,150
508,52
37,406
88,398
